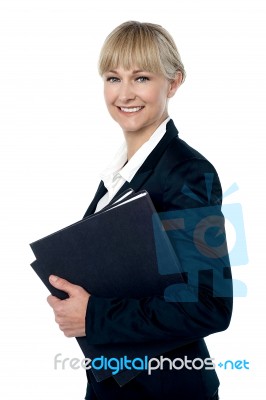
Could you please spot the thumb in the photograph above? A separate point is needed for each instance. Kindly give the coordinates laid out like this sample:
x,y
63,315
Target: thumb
x,y
62,284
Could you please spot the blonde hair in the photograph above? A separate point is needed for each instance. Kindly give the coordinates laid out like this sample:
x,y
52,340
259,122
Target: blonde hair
x,y
145,45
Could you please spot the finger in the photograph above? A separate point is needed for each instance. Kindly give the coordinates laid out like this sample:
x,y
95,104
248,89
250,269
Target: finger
x,y
62,284
52,300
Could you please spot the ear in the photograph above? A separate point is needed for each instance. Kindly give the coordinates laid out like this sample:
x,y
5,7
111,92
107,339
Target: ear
x,y
174,84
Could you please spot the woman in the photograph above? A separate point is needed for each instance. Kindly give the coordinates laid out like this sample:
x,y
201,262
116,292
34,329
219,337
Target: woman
x,y
142,70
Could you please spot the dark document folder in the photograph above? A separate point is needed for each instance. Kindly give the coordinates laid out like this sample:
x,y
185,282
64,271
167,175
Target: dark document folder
x,y
111,253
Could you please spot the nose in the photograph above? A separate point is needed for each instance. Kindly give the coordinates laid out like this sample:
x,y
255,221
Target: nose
x,y
126,92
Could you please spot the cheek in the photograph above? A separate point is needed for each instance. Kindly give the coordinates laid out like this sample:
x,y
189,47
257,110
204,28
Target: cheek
x,y
162,97
156,97
106,96
109,95
149,96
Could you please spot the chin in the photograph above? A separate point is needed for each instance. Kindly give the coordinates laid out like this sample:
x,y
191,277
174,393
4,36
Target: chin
x,y
131,129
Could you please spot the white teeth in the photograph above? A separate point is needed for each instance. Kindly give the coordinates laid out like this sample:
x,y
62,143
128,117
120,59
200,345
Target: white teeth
x,y
130,110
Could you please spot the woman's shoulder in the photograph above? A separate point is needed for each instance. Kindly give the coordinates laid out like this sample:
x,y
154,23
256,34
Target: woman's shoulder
x,y
178,150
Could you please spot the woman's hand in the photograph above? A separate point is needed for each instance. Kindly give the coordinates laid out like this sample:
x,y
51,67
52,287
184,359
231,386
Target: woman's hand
x,y
69,313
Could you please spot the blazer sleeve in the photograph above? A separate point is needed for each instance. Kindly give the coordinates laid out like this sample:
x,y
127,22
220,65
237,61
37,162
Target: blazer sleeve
x,y
195,186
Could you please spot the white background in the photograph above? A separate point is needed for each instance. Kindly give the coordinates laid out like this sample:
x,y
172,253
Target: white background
x,y
56,133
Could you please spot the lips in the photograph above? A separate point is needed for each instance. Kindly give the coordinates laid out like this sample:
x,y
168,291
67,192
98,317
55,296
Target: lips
x,y
131,109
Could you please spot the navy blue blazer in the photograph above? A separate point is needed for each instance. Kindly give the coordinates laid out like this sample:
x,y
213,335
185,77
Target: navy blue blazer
x,y
174,174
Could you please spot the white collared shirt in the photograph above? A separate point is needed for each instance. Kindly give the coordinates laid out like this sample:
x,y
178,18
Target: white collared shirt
x,y
118,171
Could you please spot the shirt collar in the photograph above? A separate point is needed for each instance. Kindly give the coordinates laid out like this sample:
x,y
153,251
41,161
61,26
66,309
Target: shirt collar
x,y
119,168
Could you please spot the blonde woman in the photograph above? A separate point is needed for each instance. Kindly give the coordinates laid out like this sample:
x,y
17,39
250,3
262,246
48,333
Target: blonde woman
x,y
141,70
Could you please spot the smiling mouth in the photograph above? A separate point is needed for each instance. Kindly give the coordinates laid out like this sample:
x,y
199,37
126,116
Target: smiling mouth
x,y
130,109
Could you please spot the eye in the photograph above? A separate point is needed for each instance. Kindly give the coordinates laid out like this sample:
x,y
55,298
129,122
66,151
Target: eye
x,y
112,79
142,79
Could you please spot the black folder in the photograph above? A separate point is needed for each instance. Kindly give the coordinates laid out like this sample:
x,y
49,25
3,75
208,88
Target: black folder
x,y
111,253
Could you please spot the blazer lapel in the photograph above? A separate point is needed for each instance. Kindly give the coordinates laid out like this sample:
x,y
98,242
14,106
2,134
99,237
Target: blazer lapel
x,y
151,161
98,195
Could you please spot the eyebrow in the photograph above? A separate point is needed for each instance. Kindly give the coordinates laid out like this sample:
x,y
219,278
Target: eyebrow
x,y
136,71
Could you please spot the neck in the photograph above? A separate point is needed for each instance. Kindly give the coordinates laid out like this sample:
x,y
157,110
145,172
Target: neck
x,y
135,140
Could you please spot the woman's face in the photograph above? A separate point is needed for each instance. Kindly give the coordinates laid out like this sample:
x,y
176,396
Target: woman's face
x,y
137,99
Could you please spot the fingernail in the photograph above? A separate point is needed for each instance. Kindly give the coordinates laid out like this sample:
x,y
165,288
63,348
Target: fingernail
x,y
53,278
